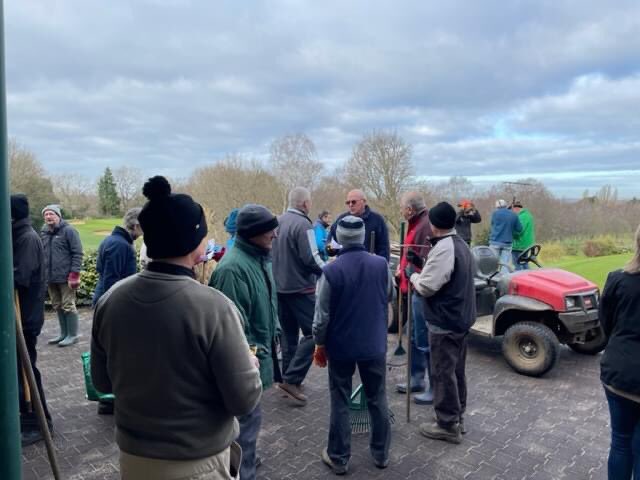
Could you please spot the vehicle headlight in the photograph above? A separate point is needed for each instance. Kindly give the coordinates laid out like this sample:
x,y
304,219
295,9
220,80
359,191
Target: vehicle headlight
x,y
570,302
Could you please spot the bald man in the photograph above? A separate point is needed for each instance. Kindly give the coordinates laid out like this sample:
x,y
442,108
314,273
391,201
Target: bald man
x,y
373,223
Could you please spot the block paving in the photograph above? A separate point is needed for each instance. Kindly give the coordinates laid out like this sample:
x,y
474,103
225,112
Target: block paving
x,y
519,428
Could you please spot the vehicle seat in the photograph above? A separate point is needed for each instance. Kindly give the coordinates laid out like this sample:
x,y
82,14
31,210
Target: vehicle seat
x,y
487,264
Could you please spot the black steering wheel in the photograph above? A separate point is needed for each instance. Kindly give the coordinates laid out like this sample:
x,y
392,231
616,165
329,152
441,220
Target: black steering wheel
x,y
530,255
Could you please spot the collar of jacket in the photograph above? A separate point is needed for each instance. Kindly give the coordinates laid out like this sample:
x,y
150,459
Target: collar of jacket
x,y
121,232
171,268
435,240
416,218
353,248
251,249
20,225
299,212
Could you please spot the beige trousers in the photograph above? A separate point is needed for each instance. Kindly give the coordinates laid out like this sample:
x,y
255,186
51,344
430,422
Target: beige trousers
x,y
222,466
62,297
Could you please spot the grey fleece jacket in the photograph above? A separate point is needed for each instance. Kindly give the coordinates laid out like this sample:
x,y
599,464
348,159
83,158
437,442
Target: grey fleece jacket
x,y
296,260
174,353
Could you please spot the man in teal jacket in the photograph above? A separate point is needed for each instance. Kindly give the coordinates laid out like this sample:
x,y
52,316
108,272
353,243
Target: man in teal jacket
x,y
245,276
525,238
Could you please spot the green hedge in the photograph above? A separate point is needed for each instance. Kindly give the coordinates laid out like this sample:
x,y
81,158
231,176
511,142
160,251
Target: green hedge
x,y
88,278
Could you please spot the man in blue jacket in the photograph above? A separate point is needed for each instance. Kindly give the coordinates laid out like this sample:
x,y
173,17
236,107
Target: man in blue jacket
x,y
376,232
349,329
117,254
116,260
504,225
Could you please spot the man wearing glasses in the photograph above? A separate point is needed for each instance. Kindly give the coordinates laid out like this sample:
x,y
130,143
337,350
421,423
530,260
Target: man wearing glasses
x,y
376,231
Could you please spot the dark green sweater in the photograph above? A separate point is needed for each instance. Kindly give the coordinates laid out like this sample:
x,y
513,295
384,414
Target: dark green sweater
x,y
174,354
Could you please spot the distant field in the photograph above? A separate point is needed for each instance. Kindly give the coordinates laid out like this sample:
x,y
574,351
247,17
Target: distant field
x,y
93,230
592,268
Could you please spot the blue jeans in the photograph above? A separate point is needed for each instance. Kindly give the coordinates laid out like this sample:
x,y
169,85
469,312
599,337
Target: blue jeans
x,y
249,430
515,254
624,456
419,340
503,251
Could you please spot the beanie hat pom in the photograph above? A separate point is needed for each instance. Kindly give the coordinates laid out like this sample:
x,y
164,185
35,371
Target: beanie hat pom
x,y
156,188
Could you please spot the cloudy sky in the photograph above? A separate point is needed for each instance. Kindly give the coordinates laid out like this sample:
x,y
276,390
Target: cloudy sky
x,y
491,90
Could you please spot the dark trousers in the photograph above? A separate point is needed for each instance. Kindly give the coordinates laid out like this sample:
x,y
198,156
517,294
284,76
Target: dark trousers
x,y
249,430
295,311
372,374
448,358
28,419
624,456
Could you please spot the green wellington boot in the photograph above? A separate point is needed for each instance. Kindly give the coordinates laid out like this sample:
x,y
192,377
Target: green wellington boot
x,y
72,330
62,320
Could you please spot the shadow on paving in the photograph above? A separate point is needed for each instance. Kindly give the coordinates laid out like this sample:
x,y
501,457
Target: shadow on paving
x,y
554,427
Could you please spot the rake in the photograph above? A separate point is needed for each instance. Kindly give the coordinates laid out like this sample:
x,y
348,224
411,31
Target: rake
x,y
359,412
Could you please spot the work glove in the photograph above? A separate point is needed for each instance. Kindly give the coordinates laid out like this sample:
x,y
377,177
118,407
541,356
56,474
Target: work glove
x,y
320,356
217,256
73,280
414,259
409,270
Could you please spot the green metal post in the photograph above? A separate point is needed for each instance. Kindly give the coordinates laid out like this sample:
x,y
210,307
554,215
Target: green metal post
x,y
10,464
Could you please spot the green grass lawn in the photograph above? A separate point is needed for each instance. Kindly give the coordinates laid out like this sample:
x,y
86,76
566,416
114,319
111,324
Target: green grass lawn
x,y
592,268
93,230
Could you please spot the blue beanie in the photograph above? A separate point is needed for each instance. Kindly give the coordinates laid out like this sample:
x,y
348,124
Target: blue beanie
x,y
230,225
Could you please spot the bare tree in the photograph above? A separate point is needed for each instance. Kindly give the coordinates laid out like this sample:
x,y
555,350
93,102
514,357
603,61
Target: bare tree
x,y
129,181
77,194
232,183
294,162
381,166
28,176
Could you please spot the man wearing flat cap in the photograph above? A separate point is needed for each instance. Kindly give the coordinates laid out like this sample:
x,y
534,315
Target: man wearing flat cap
x,y
245,276
446,282
174,354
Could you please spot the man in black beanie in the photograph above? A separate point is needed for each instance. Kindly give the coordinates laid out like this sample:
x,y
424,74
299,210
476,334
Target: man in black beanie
x,y
446,282
174,354
245,276
29,282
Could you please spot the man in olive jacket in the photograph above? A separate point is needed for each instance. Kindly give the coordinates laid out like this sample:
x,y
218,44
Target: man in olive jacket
x,y
245,276
63,262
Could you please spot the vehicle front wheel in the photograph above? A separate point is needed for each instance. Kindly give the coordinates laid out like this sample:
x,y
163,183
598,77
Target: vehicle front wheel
x,y
595,343
530,348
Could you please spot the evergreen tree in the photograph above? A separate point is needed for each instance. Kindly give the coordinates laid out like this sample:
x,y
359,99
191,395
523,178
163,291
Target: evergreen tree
x,y
109,202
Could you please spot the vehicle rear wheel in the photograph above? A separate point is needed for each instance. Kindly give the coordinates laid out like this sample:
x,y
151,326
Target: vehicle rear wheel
x,y
530,348
595,343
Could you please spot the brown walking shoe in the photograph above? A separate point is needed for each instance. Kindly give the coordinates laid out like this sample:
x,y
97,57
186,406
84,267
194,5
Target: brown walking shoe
x,y
294,393
435,431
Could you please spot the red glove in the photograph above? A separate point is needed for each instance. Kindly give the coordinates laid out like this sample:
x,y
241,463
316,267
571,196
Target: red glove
x,y
217,256
320,356
73,280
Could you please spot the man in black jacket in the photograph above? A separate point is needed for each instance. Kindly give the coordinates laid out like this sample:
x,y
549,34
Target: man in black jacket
x,y
467,214
447,283
29,282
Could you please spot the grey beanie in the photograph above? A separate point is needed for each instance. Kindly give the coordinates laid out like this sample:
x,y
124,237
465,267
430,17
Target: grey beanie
x,y
54,208
254,220
350,231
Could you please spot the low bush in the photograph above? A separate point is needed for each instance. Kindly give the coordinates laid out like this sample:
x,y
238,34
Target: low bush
x,y
605,245
552,252
88,278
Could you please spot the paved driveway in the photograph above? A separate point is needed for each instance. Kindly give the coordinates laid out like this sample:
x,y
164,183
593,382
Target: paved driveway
x,y
519,427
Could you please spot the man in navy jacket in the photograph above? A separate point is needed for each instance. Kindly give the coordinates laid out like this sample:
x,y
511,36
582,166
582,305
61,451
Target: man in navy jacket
x,y
116,260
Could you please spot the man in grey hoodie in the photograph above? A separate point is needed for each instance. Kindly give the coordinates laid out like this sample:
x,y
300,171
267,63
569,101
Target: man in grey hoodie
x,y
296,267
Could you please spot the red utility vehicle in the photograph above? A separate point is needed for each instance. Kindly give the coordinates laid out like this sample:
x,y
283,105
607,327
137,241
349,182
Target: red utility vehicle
x,y
535,310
